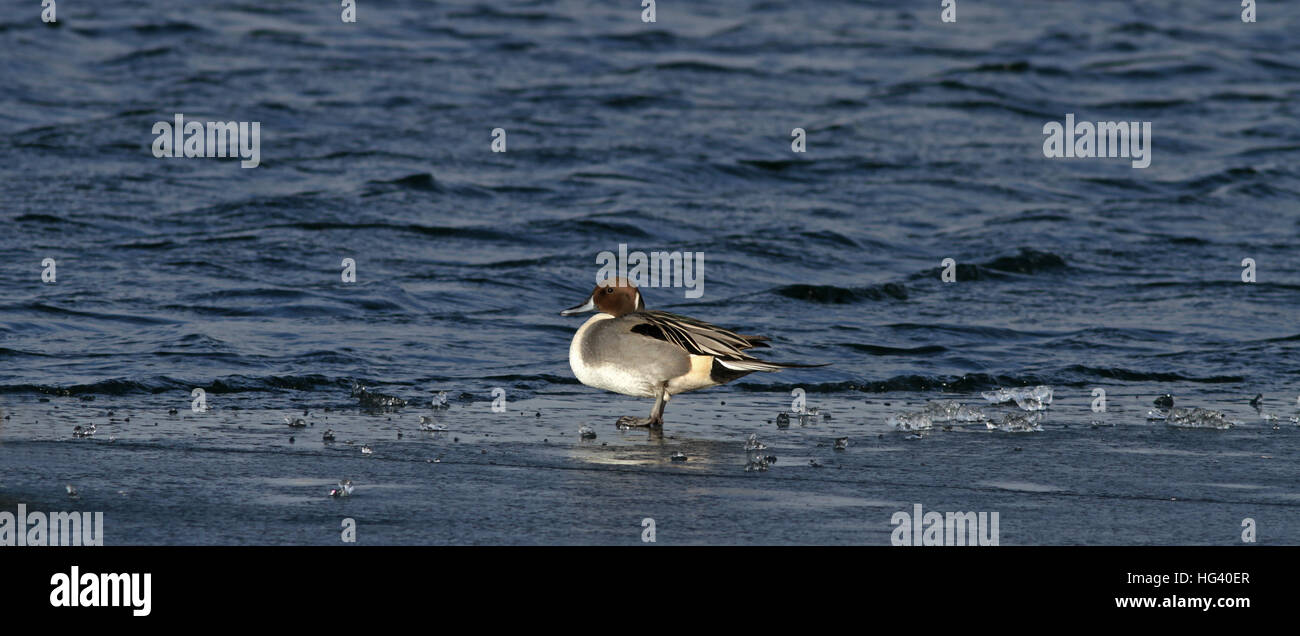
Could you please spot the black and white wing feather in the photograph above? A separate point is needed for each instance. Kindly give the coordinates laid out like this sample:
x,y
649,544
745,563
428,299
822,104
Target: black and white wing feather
x,y
703,339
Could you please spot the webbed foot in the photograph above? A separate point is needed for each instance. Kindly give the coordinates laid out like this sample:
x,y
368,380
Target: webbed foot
x,y
627,421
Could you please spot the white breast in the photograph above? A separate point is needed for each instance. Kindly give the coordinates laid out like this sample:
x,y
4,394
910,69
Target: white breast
x,y
608,375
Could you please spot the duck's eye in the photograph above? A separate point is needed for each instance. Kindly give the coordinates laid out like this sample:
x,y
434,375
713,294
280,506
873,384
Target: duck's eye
x,y
609,290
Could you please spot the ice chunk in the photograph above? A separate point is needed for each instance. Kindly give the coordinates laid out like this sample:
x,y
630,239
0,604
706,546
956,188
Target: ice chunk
x,y
1018,423
806,417
428,424
916,421
586,432
366,449
1029,399
1198,418
951,410
678,456
295,422
327,436
440,401
755,458
375,400
344,489
841,443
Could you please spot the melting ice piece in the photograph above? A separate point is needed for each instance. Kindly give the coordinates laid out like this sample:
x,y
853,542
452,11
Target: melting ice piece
x,y
328,435
1018,423
1029,399
916,421
1157,414
72,490
814,463
585,432
344,489
1198,418
427,423
841,443
375,400
366,450
754,452
678,456
807,415
295,422
440,401
950,410
88,431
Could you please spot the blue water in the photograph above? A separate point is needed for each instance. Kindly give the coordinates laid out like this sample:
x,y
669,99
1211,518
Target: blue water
x,y
924,142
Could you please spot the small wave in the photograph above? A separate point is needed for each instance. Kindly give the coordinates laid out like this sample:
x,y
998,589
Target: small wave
x,y
162,384
1028,261
968,383
423,181
142,54
166,28
1128,375
878,350
484,12
46,218
831,294
62,311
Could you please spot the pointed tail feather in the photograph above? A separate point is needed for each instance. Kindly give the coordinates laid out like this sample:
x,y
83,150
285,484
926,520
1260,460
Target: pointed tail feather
x,y
754,364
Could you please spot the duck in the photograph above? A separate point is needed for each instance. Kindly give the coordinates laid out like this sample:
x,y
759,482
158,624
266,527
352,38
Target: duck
x,y
627,349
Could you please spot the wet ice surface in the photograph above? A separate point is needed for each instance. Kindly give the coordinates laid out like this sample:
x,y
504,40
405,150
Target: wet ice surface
x,y
515,477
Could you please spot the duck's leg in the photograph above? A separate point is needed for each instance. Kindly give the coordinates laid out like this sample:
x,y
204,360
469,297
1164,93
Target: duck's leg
x,y
656,419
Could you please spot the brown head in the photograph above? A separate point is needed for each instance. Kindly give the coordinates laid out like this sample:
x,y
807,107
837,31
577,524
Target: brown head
x,y
616,297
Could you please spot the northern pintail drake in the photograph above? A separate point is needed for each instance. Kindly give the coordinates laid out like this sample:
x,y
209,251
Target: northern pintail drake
x,y
628,349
